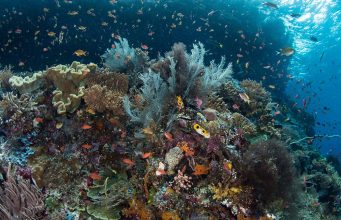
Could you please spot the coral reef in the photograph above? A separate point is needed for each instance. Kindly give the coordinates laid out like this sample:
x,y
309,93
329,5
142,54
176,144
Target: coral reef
x,y
5,75
169,138
69,82
20,199
268,168
172,158
27,84
101,99
123,58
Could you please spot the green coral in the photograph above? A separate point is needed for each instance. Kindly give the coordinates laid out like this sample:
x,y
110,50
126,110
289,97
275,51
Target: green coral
x,y
27,84
69,82
107,196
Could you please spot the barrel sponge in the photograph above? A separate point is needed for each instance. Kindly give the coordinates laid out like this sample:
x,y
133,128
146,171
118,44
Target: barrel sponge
x,y
27,84
67,102
69,83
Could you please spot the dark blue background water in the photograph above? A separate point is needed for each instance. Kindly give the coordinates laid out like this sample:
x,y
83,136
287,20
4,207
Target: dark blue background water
x,y
229,28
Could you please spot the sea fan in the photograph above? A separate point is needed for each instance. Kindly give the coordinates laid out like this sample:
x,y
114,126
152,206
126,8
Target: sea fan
x,y
153,93
195,64
118,58
216,75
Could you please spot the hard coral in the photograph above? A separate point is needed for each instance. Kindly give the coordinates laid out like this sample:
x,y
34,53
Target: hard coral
x,y
259,98
112,80
100,99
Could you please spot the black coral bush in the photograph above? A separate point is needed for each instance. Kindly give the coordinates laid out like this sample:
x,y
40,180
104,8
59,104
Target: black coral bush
x,y
267,166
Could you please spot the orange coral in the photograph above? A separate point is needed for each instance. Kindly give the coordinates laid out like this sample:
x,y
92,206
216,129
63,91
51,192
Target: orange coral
x,y
138,209
185,148
170,215
200,170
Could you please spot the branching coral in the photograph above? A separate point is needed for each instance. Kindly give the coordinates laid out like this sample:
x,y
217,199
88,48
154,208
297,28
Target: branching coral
x,y
12,103
183,74
16,111
181,182
20,200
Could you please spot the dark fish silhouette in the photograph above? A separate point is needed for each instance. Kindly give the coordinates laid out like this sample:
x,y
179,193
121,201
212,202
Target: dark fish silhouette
x,y
271,5
313,38
295,15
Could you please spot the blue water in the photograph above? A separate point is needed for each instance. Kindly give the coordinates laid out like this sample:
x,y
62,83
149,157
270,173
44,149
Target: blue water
x,y
312,28
317,65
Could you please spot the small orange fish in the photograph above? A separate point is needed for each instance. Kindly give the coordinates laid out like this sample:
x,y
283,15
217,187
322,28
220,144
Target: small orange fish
x,y
80,53
86,146
39,120
95,176
168,136
128,161
86,127
200,170
146,155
